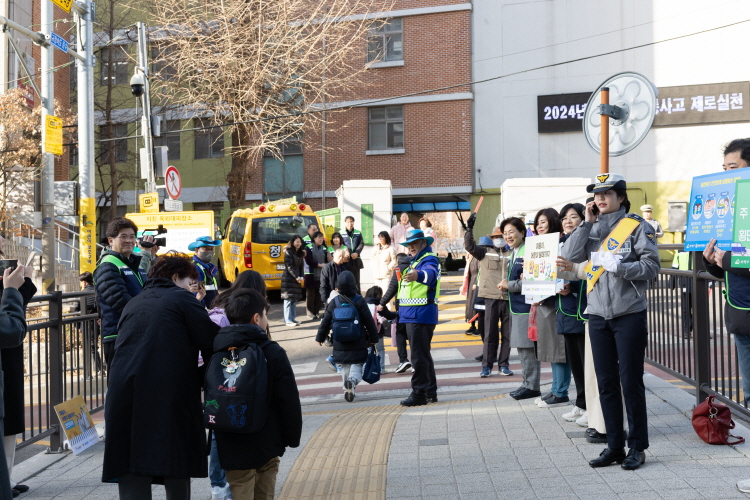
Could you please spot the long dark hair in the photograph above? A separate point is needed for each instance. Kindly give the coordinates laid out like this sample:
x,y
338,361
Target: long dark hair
x,y
246,279
553,220
290,246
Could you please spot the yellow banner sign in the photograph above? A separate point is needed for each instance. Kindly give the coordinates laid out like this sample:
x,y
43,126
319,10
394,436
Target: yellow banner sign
x,y
53,135
149,203
87,242
63,4
183,228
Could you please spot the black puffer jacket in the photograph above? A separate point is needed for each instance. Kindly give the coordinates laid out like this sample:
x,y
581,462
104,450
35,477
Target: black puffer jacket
x,y
329,275
349,352
403,263
284,424
290,287
114,290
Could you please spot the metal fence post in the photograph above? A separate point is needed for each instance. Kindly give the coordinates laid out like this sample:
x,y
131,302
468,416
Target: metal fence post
x,y
701,329
56,379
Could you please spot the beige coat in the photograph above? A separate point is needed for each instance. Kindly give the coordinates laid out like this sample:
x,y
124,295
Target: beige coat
x,y
383,261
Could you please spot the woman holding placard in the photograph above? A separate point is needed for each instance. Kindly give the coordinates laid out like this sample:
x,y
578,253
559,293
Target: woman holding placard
x,y
550,346
622,254
514,231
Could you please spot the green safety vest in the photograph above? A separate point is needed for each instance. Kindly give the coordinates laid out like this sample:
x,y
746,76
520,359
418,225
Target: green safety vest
x,y
121,266
414,293
213,285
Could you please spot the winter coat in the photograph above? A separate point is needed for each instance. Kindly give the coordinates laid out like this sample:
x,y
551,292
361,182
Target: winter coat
x,y
13,373
737,320
398,233
403,263
493,267
568,306
519,317
12,333
114,290
207,273
429,274
90,301
219,317
291,289
154,412
349,352
312,279
472,269
383,261
329,278
550,346
283,427
355,244
624,291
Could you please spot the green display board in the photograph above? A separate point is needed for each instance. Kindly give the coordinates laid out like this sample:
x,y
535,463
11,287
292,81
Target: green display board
x,y
367,225
741,229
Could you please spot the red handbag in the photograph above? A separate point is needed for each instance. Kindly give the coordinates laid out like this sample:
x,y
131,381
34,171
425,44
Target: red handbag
x,y
712,423
532,332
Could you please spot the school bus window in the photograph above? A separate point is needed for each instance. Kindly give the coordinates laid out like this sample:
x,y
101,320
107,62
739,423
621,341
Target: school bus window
x,y
276,230
237,231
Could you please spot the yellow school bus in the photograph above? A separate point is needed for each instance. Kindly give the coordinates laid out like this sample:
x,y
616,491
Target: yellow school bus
x,y
254,238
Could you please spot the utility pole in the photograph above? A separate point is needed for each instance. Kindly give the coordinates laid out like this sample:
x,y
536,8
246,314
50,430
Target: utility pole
x,y
48,159
86,168
141,79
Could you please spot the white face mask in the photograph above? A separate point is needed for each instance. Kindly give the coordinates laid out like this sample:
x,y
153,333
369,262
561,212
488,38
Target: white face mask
x,y
498,242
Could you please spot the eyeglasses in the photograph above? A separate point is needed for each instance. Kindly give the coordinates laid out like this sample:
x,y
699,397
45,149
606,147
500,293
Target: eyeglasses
x,y
127,237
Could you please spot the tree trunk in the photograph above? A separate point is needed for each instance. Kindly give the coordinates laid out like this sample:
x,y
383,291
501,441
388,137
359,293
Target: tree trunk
x,y
242,166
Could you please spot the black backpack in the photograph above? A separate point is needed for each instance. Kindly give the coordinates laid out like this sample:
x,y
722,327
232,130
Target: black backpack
x,y
236,390
346,325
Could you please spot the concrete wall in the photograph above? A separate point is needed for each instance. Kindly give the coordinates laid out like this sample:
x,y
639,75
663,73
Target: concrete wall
x,y
510,36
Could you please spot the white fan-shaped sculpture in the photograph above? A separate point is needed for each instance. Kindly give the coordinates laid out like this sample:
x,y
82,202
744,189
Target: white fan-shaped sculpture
x,y
635,96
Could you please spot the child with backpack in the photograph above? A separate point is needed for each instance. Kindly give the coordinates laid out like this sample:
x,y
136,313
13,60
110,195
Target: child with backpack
x,y
251,400
382,320
353,327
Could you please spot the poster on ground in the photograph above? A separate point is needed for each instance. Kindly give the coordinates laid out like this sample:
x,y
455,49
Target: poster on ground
x,y
711,209
540,267
77,424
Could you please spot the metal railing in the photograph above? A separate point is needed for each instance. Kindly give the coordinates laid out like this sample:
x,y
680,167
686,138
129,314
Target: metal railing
x,y
687,334
62,359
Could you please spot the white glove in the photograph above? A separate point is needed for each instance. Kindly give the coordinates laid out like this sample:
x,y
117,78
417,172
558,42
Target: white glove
x,y
610,261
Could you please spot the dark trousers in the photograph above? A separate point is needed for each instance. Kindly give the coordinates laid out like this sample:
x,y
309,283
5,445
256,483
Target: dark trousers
x,y
109,352
575,350
132,487
480,324
314,302
423,381
355,271
496,310
401,338
618,346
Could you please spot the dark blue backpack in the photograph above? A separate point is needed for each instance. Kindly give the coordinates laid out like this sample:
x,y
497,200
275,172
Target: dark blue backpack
x,y
346,326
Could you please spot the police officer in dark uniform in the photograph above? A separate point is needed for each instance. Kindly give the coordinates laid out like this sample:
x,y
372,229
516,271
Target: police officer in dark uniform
x,y
207,272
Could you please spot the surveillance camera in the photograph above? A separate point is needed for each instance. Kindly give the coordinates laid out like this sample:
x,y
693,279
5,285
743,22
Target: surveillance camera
x,y
138,84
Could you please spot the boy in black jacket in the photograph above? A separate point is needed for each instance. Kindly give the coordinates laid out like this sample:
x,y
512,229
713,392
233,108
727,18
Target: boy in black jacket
x,y
251,461
350,355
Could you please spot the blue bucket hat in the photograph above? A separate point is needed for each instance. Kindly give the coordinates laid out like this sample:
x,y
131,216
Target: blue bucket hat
x,y
485,241
417,234
204,241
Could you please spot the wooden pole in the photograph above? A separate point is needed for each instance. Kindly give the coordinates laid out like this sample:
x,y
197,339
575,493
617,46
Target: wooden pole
x,y
604,156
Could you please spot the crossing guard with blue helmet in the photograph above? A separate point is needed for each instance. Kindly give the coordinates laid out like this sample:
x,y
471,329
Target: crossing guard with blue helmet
x,y
207,272
418,292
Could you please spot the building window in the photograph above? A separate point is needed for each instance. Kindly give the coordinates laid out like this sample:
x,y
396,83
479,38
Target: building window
x,y
73,155
386,127
120,147
215,206
209,142
385,42
170,137
161,68
117,71
284,177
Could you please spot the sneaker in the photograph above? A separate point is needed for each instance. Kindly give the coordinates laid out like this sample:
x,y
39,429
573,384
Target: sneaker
x,y
218,493
584,420
546,396
479,358
504,371
486,372
402,367
471,331
311,317
349,391
554,401
573,415
339,369
292,325
298,322
330,364
744,485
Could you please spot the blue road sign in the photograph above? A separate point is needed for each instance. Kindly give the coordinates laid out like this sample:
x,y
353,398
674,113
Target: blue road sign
x,y
59,42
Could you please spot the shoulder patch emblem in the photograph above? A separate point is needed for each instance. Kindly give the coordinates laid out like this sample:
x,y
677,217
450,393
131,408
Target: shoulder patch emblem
x,y
636,217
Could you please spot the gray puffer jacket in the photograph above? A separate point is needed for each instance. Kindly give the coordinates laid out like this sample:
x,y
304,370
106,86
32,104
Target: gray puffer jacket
x,y
622,292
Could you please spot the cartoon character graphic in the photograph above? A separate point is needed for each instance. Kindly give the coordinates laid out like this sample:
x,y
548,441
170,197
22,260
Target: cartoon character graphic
x,y
237,415
697,207
232,370
710,207
723,208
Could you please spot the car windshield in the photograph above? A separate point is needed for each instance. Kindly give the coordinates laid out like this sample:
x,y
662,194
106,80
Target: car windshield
x,y
280,229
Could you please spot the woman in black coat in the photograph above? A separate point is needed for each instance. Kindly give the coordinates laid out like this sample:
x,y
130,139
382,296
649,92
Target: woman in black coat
x,y
291,280
153,413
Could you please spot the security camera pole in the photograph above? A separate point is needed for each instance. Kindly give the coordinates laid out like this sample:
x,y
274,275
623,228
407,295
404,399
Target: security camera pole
x,y
141,79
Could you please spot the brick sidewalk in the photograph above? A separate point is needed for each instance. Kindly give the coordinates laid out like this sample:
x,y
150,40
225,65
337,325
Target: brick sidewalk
x,y
470,446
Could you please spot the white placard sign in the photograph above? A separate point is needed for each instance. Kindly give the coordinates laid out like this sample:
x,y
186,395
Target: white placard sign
x,y
540,266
